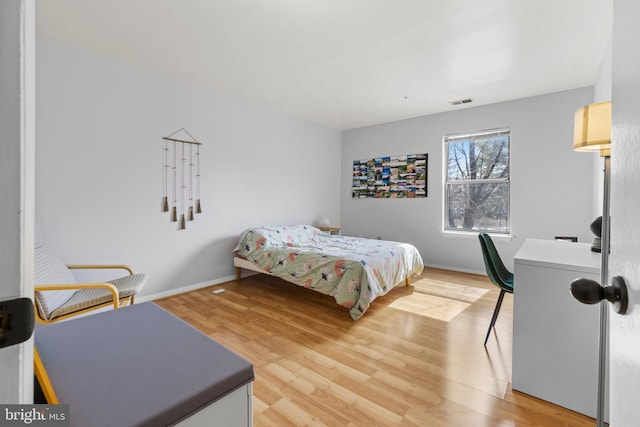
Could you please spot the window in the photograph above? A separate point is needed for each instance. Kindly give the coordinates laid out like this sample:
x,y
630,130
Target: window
x,y
476,196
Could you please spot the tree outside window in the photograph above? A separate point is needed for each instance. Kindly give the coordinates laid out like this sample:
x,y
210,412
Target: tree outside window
x,y
477,182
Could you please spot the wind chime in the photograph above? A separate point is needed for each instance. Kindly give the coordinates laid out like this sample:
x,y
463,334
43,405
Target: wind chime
x,y
181,181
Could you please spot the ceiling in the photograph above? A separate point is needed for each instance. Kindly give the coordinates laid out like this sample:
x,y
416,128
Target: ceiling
x,y
348,63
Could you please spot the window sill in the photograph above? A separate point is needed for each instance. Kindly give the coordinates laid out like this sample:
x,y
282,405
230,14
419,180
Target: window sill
x,y
474,235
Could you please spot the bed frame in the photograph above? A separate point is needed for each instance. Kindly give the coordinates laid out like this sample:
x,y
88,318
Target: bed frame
x,y
240,263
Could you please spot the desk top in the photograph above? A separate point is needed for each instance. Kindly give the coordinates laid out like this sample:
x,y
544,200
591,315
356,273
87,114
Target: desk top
x,y
559,254
136,366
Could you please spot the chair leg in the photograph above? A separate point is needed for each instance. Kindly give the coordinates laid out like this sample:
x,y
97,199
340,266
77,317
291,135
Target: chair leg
x,y
43,378
495,315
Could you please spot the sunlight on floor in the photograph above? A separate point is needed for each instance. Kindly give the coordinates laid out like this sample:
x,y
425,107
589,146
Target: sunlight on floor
x,y
438,300
450,290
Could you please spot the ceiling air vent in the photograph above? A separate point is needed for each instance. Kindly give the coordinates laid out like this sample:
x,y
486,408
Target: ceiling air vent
x,y
461,101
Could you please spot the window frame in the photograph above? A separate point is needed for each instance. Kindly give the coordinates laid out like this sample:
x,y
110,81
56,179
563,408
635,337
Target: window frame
x,y
452,138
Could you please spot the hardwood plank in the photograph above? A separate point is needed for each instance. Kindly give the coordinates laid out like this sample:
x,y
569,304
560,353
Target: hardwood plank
x,y
414,359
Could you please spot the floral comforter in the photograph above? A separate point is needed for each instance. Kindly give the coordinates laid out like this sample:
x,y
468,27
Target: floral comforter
x,y
353,270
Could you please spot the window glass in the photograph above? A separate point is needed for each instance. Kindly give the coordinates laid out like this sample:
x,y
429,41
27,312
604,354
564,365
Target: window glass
x,y
477,182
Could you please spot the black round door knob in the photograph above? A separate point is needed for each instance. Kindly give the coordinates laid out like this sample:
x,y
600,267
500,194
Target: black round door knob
x,y
589,291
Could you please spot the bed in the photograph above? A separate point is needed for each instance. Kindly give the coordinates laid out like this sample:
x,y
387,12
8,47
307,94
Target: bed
x,y
353,270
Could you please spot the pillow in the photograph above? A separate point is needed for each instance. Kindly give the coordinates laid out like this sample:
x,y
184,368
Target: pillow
x,y
49,270
255,239
300,233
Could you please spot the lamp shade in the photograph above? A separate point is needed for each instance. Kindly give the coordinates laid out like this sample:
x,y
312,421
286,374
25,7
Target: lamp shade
x,y
592,128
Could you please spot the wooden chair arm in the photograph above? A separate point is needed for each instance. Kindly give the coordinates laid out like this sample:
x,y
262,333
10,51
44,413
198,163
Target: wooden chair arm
x,y
101,266
108,286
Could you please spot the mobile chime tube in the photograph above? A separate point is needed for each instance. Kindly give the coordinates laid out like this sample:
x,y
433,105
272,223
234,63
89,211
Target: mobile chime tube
x,y
165,173
190,217
198,206
182,225
174,209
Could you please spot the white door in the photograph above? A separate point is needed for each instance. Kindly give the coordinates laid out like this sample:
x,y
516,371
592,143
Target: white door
x,y
17,128
625,208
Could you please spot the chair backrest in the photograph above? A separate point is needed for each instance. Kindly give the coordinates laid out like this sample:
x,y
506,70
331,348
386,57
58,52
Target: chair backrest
x,y
50,270
497,272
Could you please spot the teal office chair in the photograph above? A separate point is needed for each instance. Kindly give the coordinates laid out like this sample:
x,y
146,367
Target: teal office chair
x,y
498,274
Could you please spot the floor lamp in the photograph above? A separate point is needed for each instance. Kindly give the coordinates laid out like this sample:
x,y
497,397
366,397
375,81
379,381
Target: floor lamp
x,y
592,132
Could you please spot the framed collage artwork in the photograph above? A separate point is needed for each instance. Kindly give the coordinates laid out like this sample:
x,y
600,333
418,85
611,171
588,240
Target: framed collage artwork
x,y
390,177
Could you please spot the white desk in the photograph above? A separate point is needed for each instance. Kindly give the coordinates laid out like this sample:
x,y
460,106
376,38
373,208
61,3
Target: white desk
x,y
555,337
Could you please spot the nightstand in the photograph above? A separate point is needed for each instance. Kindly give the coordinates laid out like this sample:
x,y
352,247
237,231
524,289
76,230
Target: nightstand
x,y
335,231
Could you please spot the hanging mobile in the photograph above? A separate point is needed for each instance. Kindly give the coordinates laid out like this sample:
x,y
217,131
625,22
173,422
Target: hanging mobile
x,y
186,186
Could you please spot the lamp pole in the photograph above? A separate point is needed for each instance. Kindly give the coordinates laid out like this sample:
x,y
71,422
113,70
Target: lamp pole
x,y
604,307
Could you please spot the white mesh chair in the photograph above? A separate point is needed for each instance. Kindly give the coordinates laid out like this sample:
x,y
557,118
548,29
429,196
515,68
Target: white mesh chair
x,y
58,296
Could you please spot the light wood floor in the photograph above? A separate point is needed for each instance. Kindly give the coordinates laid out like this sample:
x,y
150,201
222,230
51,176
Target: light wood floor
x,y
414,359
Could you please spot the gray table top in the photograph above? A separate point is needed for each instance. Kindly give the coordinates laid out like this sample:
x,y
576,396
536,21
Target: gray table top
x,y
136,366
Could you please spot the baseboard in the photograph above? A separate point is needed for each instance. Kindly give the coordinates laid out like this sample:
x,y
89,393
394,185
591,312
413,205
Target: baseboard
x,y
184,289
461,270
225,279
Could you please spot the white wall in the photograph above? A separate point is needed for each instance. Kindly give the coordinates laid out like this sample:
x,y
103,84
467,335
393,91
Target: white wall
x,y
99,156
601,93
551,185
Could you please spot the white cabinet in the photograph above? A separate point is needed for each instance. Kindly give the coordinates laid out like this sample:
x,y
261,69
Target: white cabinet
x,y
555,337
234,409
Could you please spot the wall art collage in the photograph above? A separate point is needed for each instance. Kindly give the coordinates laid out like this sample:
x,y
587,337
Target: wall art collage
x,y
390,177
